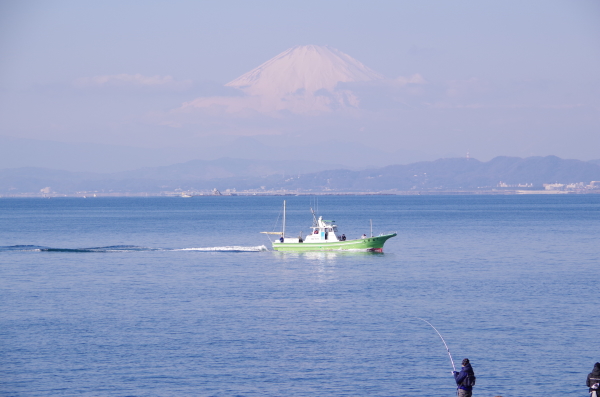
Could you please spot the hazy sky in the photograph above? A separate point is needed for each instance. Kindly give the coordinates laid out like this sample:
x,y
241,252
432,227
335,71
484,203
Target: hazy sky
x,y
501,78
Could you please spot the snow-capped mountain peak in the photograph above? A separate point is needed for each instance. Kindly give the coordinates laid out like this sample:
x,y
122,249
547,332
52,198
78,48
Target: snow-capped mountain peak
x,y
306,68
302,80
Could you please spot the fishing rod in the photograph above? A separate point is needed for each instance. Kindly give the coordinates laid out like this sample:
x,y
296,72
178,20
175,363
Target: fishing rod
x,y
448,350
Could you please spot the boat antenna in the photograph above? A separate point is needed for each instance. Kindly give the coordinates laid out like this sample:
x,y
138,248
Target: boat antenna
x,y
283,232
448,350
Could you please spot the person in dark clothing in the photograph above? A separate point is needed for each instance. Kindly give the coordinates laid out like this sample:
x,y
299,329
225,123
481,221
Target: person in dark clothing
x,y
465,379
593,381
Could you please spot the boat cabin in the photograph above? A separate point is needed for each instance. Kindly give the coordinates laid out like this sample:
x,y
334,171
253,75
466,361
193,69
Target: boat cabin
x,y
323,231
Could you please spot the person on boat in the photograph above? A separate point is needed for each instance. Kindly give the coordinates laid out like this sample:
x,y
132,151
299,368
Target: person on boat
x,y
281,239
593,381
343,237
363,236
465,379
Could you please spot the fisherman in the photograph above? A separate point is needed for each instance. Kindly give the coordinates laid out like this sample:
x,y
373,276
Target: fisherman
x,y
593,381
363,236
465,379
343,237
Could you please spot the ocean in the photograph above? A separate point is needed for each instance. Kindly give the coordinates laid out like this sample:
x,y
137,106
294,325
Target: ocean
x,y
183,296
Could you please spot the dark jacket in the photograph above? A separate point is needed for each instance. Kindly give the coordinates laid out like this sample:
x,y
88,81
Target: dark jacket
x,y
592,376
460,377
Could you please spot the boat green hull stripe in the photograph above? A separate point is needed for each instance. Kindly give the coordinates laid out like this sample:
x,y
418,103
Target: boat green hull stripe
x,y
369,243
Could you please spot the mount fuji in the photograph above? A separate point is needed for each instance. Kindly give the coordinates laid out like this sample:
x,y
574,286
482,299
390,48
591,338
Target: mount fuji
x,y
301,80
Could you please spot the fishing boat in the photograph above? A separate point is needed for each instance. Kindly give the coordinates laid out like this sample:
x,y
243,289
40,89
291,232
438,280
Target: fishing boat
x,y
325,237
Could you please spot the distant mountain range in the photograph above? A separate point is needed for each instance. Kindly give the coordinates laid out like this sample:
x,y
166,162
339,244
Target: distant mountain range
x,y
227,173
99,158
152,179
456,173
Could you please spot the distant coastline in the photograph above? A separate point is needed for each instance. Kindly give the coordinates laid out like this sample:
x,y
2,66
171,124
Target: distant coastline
x,y
277,193
242,177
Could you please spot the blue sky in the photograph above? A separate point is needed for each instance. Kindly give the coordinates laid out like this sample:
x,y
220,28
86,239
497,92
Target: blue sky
x,y
503,78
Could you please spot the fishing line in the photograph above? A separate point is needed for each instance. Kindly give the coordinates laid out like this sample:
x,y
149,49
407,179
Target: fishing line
x,y
448,350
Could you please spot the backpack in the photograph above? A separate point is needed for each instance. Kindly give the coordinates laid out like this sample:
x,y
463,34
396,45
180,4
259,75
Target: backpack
x,y
469,380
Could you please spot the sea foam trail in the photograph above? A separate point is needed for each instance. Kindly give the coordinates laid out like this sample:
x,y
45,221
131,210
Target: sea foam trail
x,y
130,248
233,248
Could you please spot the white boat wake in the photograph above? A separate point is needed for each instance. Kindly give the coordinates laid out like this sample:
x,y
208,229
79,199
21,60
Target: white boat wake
x,y
233,248
130,248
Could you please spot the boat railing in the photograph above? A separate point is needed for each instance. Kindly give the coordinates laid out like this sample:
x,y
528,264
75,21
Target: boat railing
x,y
387,233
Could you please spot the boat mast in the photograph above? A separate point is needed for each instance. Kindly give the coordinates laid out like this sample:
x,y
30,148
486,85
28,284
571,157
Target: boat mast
x,y
315,223
283,233
371,220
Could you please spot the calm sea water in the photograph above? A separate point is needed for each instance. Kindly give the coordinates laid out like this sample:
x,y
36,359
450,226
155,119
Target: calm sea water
x,y
158,297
